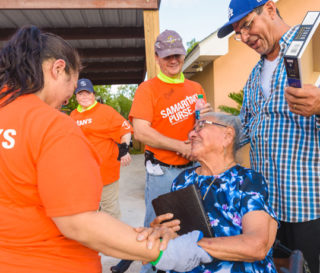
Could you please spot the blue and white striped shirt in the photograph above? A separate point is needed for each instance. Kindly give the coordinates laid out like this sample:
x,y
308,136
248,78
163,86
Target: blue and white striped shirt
x,y
285,147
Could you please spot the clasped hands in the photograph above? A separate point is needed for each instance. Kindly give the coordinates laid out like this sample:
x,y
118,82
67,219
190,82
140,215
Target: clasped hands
x,y
166,231
182,253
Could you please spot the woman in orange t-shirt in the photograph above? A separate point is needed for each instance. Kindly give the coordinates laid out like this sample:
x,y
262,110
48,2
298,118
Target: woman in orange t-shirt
x,y
50,183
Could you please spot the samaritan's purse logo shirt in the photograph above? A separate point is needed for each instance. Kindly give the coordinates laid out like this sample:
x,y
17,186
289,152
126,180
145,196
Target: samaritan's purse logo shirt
x,y
169,107
103,126
41,150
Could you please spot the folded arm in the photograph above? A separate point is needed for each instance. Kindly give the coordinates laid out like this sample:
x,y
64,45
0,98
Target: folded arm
x,y
259,232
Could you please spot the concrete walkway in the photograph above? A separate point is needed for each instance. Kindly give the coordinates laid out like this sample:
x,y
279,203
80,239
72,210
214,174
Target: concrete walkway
x,y
132,181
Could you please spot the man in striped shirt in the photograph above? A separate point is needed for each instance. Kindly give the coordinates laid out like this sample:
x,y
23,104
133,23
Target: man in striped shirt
x,y
282,125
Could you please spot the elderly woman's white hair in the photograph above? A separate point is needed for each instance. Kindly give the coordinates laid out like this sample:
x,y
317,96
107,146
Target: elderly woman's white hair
x,y
231,121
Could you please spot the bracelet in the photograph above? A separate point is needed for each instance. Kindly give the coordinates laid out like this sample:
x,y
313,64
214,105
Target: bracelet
x,y
158,259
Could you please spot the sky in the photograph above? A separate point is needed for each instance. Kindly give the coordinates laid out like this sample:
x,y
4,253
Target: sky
x,y
193,18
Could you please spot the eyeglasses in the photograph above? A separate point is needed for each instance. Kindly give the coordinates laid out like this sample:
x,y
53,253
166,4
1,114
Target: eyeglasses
x,y
201,123
244,29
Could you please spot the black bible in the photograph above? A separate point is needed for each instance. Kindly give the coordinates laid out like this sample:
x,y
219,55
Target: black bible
x,y
186,205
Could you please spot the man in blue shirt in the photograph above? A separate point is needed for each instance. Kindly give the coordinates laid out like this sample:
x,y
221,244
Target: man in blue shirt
x,y
282,125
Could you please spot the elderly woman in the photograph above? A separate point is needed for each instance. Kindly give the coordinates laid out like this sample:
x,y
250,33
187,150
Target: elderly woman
x,y
235,198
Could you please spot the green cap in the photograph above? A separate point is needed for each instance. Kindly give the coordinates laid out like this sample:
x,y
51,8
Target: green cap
x,y
200,96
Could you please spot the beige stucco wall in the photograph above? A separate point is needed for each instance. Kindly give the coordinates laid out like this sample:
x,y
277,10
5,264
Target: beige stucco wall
x,y
206,79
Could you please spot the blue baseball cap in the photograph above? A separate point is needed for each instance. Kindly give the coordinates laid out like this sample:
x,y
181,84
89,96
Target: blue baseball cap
x,y
238,9
84,84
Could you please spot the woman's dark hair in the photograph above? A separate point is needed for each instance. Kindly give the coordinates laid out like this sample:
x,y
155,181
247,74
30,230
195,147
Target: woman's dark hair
x,y
22,57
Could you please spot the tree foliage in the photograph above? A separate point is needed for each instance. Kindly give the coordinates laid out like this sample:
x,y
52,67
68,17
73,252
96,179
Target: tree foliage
x,y
238,98
193,43
127,90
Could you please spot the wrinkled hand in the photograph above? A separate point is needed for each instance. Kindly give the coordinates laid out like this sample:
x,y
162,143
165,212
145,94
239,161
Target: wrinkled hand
x,y
189,156
183,253
151,235
205,109
184,149
125,160
158,221
303,101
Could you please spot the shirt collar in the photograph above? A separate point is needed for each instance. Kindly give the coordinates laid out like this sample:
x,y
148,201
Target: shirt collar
x,y
81,109
167,79
287,38
284,42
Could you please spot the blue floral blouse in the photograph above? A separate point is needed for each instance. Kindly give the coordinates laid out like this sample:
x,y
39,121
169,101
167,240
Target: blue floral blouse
x,y
234,193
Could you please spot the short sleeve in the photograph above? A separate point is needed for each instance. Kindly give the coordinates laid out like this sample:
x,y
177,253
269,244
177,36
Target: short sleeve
x,y
254,195
117,125
142,105
69,179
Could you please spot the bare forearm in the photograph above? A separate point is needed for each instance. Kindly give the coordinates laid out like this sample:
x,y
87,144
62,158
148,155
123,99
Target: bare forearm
x,y
154,139
235,248
126,138
147,135
258,234
108,235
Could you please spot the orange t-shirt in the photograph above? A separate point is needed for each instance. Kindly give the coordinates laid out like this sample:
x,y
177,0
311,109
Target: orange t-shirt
x,y
170,110
47,169
104,127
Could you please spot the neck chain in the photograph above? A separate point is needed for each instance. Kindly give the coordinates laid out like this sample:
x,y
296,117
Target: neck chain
x,y
214,179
